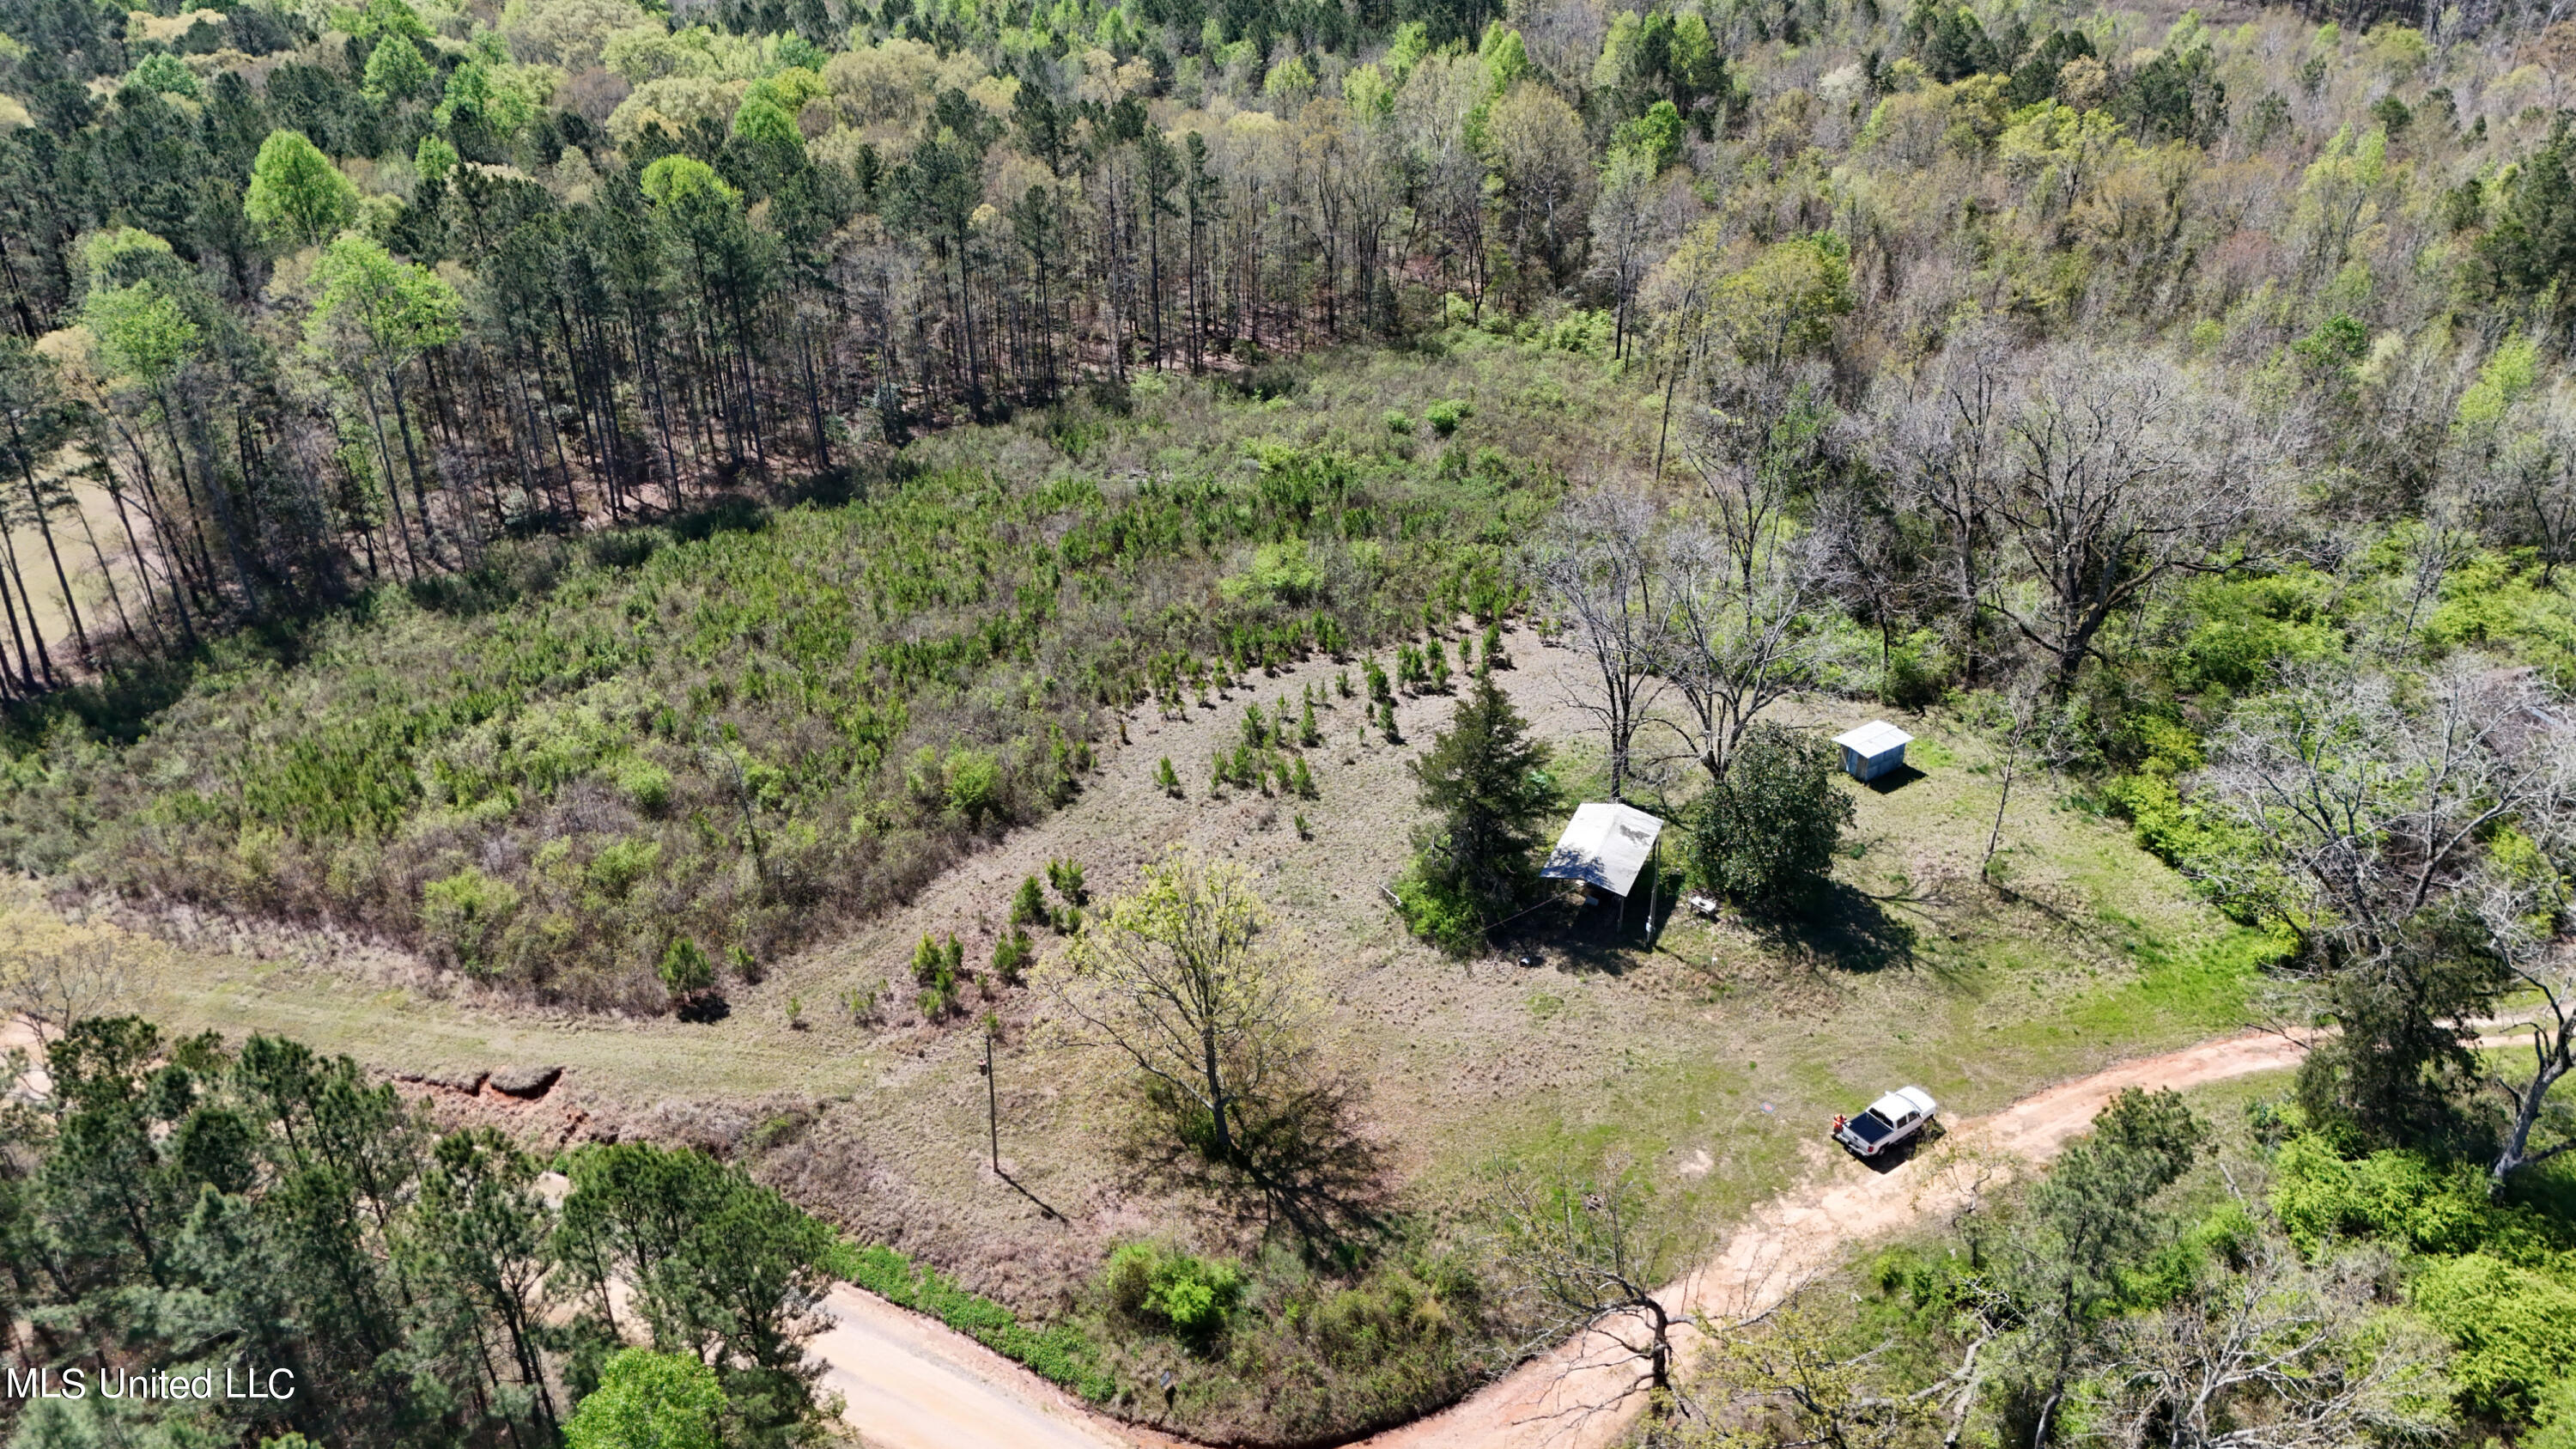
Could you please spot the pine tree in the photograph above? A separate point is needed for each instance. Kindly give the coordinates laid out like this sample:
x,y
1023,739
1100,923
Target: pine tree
x,y
1484,779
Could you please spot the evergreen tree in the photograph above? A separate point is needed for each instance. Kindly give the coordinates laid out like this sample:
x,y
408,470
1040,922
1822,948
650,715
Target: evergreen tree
x,y
1485,780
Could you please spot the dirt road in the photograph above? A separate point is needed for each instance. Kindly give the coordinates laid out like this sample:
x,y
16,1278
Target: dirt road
x,y
911,1384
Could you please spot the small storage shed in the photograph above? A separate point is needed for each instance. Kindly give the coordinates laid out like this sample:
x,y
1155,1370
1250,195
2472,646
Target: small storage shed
x,y
1873,750
1604,846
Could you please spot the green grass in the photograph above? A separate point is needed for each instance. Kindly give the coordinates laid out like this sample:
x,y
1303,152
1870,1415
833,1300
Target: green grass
x,y
1060,1354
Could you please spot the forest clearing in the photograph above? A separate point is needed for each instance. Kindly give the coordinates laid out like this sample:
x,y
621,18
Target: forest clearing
x,y
752,722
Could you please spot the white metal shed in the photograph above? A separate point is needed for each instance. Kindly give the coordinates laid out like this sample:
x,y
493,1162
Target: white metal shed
x,y
1873,749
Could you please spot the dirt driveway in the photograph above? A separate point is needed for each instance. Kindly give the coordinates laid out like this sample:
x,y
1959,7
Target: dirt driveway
x,y
909,1383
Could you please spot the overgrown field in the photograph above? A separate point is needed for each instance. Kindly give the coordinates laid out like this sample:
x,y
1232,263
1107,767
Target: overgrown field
x,y
588,761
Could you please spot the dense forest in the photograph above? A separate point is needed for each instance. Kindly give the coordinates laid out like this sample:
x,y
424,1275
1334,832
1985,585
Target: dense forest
x,y
175,1211
347,325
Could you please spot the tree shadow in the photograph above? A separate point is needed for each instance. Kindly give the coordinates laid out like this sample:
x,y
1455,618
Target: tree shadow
x,y
700,1008
1844,927
1298,1158
729,513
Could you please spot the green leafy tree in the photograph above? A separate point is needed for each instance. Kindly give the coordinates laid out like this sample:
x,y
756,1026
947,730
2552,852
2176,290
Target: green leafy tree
x,y
1172,976
1765,834
2532,249
397,72
377,315
297,197
649,1400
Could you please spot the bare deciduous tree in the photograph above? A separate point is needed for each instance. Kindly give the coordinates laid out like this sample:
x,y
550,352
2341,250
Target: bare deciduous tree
x,y
57,983
2371,811
1599,569
2368,809
2276,1356
1789,1376
1939,436
2526,483
1585,1260
1742,588
2122,472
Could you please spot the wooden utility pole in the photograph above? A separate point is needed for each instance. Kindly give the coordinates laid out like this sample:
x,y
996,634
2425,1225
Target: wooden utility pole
x,y
992,1096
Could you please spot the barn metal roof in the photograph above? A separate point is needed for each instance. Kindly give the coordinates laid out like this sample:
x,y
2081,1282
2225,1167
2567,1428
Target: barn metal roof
x,y
1604,845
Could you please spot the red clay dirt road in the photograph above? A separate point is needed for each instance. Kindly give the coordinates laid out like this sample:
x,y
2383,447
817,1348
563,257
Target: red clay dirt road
x,y
909,1383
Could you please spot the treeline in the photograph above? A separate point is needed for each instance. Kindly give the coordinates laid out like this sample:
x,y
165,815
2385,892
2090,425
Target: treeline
x,y
307,297
175,1207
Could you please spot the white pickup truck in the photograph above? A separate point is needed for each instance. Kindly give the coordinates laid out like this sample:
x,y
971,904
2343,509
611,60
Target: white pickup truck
x,y
1891,1121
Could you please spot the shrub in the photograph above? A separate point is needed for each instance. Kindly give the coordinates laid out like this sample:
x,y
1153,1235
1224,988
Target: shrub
x,y
622,863
1178,1293
646,786
1028,904
1445,415
1057,1354
1438,915
1167,779
1399,422
685,968
2396,1195
1011,956
466,913
1918,669
974,784
2514,1329
1766,834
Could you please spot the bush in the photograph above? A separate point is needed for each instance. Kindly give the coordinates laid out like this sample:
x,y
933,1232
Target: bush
x,y
2397,1196
974,784
1445,415
685,969
1178,1293
2515,1330
646,786
1766,834
1011,956
1399,422
1438,915
1058,1355
1918,670
465,914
